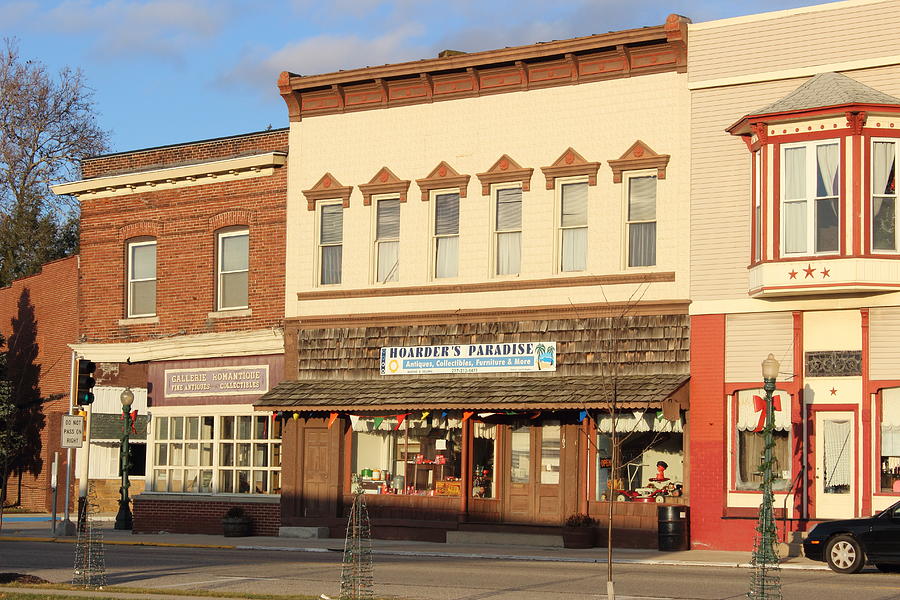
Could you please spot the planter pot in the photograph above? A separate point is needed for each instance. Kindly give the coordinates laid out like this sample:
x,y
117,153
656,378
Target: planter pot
x,y
578,537
239,527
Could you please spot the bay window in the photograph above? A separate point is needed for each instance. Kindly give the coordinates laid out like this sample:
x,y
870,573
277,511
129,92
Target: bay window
x,y
884,196
810,199
757,207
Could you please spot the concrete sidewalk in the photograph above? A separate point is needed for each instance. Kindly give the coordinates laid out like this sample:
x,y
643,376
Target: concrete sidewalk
x,y
21,527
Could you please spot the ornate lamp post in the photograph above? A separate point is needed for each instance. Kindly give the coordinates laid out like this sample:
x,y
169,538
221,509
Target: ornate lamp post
x,y
123,517
766,581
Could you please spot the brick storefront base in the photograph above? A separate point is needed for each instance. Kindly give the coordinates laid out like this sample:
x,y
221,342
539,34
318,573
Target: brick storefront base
x,y
183,513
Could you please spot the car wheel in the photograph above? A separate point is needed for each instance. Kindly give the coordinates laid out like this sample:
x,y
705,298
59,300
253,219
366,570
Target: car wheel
x,y
886,568
844,554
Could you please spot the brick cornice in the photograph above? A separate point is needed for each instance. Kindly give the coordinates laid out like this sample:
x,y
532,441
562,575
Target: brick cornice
x,y
489,286
442,177
639,156
384,182
327,188
570,164
606,56
505,170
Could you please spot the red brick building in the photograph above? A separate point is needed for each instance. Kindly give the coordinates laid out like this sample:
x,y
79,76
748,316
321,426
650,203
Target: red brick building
x,y
38,318
181,288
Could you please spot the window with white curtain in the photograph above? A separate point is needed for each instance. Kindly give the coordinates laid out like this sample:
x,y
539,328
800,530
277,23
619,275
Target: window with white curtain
x,y
884,196
508,230
750,440
446,235
331,240
233,267
573,226
641,221
387,240
141,278
757,207
810,198
890,441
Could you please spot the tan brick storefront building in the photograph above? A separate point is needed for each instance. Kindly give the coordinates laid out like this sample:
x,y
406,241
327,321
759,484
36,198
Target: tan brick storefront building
x,y
182,251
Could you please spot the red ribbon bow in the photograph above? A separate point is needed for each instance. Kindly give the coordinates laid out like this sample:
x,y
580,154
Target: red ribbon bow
x,y
132,417
759,405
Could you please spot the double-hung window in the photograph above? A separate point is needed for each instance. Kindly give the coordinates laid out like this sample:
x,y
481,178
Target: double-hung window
x,y
573,226
446,235
641,221
508,230
331,240
233,266
884,196
387,240
810,198
141,278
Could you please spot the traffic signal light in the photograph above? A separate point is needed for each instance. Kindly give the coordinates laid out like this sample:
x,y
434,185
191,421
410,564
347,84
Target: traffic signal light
x,y
86,381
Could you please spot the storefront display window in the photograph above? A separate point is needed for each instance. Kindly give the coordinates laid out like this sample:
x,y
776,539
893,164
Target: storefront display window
x,y
890,440
651,457
484,457
229,454
410,456
750,440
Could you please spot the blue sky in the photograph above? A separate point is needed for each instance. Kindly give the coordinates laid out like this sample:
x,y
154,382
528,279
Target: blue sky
x,y
170,71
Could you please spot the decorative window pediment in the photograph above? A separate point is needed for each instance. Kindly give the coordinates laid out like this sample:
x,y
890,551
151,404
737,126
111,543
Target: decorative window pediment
x,y
384,182
570,164
639,156
505,170
327,188
441,177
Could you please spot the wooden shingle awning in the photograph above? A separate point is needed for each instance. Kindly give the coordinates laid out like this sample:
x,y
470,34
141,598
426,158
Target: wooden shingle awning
x,y
477,393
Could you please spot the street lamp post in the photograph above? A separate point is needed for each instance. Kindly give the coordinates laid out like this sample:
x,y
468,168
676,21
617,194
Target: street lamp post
x,y
765,581
123,517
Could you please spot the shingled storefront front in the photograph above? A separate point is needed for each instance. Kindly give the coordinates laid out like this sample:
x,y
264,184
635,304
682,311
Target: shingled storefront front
x,y
516,433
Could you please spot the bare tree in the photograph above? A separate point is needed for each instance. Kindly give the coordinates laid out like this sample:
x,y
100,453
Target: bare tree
x,y
47,124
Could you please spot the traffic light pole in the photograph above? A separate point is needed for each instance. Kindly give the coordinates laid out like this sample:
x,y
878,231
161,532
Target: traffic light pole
x,y
84,397
66,527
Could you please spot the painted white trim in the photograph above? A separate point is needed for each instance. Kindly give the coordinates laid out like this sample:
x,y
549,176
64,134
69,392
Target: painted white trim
x,y
852,65
159,179
752,305
204,345
777,14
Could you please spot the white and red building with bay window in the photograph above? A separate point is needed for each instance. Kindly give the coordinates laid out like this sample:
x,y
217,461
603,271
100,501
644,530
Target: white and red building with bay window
x,y
794,252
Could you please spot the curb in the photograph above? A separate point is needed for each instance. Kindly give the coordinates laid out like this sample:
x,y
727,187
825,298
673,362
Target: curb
x,y
517,557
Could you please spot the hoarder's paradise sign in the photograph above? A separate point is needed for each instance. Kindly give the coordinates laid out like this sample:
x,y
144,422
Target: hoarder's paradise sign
x,y
469,358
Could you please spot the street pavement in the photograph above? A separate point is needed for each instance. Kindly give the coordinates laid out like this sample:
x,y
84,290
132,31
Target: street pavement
x,y
36,528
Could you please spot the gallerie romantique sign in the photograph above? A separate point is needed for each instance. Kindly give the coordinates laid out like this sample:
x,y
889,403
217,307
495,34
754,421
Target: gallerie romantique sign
x,y
469,358
217,381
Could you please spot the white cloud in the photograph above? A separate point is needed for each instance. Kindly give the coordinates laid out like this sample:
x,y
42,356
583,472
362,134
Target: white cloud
x,y
16,14
323,54
124,28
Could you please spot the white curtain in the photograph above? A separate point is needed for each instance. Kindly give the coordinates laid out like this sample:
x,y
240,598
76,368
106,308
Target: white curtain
x,y
574,249
827,160
794,213
639,421
509,253
890,422
794,226
447,259
794,174
883,197
388,261
748,416
838,447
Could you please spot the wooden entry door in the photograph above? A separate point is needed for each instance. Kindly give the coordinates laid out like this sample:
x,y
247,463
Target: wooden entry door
x,y
835,462
317,495
534,477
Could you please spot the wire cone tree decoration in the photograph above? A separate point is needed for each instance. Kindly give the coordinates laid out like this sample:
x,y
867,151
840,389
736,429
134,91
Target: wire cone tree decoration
x,y
765,580
90,561
356,571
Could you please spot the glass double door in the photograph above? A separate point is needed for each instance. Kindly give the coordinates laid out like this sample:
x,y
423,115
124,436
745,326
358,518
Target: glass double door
x,y
534,483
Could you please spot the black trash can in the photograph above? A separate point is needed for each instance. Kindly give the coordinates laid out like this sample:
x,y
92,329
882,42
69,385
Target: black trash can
x,y
673,532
